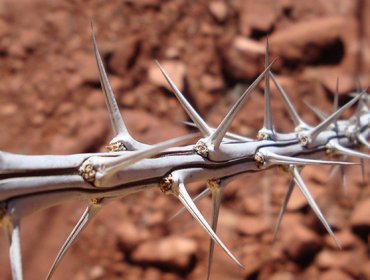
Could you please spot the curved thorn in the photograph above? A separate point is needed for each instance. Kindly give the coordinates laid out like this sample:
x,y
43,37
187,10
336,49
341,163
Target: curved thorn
x,y
220,131
279,159
318,113
198,198
283,208
198,121
86,217
15,251
217,191
288,104
118,124
117,163
332,118
185,199
346,151
306,193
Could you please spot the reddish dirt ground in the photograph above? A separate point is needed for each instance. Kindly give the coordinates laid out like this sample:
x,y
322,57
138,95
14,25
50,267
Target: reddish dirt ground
x,y
51,103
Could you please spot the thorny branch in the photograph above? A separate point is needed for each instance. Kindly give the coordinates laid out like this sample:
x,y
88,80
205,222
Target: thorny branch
x,y
32,183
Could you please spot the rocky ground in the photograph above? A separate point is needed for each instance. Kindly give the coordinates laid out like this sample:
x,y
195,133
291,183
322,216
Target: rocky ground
x,y
51,103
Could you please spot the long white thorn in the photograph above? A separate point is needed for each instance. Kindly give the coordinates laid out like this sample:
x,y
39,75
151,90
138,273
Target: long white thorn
x,y
306,193
217,191
298,122
267,123
217,136
118,124
332,118
346,151
117,163
280,159
15,250
186,200
283,208
86,217
198,121
197,199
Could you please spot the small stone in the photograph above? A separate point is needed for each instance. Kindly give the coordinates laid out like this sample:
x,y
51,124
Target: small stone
x,y
212,83
282,275
335,274
302,41
96,273
328,259
252,205
251,225
87,68
176,70
8,109
172,251
346,239
124,54
129,236
244,58
299,241
360,219
218,10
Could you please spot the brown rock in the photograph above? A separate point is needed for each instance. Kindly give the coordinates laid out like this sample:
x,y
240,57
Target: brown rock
x,y
333,259
346,239
252,205
86,66
212,83
8,109
124,54
218,9
360,218
175,69
282,275
302,41
258,15
335,274
244,58
130,236
299,241
251,225
172,251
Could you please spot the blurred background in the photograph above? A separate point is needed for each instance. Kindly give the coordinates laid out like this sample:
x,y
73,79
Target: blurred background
x,y
51,103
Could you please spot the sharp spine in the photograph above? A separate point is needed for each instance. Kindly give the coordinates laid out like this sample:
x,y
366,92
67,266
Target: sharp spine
x,y
298,122
267,123
279,159
346,151
217,136
182,194
306,193
15,249
283,208
314,132
86,217
217,191
192,113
